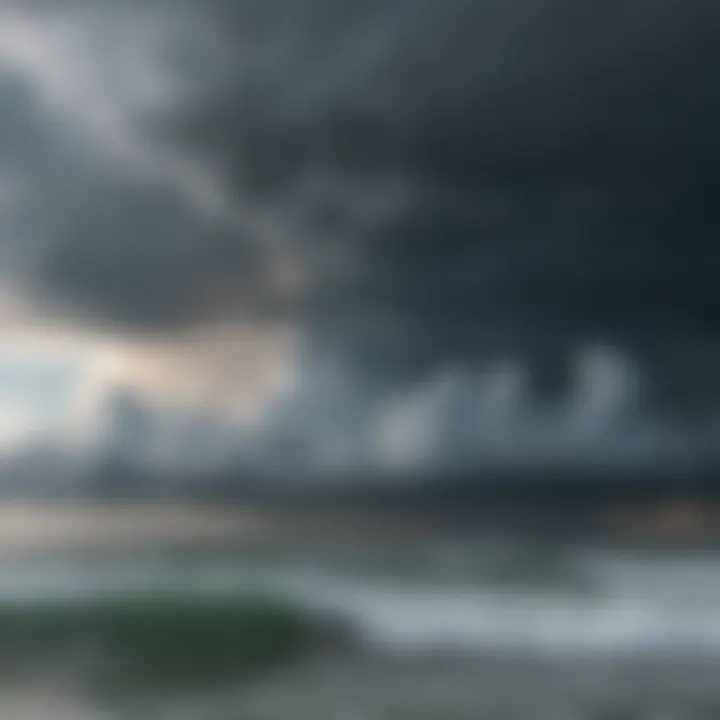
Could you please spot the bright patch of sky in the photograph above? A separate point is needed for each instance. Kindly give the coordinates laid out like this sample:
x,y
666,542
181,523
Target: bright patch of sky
x,y
44,389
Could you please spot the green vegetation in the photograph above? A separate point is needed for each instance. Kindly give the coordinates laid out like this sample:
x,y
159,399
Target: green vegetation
x,y
156,642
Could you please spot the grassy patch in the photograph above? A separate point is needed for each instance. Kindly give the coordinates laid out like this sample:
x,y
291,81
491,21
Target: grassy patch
x,y
157,641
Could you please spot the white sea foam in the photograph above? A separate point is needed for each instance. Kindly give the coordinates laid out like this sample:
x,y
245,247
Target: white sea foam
x,y
628,604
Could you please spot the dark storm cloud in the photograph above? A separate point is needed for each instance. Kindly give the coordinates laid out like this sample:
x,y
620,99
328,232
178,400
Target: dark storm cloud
x,y
482,177
103,244
460,178
100,219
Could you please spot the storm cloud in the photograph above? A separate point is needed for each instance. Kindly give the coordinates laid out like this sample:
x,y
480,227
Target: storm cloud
x,y
481,179
104,219
417,186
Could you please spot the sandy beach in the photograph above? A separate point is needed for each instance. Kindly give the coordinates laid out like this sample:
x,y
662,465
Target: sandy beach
x,y
26,527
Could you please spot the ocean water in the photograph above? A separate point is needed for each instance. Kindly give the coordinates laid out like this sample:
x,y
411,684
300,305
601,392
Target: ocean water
x,y
430,629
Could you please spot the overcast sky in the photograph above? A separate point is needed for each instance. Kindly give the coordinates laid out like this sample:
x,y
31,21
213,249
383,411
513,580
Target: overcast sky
x,y
384,203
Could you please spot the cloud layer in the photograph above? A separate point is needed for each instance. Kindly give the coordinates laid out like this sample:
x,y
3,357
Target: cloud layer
x,y
413,185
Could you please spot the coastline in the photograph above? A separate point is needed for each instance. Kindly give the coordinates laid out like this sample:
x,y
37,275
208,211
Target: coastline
x,y
29,526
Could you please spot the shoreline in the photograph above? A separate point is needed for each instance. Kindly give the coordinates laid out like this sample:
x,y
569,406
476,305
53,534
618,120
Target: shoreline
x,y
28,527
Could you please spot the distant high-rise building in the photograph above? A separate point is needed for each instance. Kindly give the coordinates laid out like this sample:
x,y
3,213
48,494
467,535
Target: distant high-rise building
x,y
129,424
126,438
